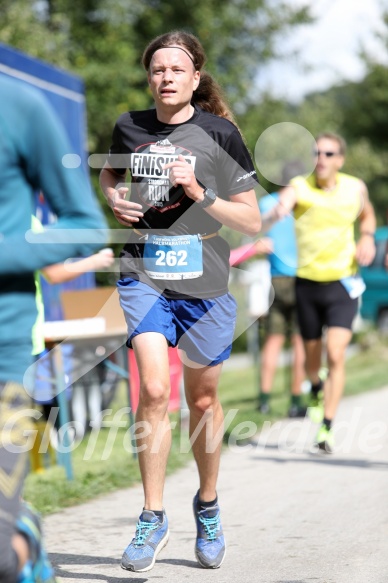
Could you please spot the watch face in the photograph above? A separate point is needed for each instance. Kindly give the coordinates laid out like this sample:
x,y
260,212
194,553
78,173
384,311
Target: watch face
x,y
209,197
209,193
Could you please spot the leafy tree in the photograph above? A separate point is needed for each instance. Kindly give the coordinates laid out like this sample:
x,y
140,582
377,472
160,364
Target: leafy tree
x,y
103,41
358,111
23,26
366,106
354,110
238,36
361,118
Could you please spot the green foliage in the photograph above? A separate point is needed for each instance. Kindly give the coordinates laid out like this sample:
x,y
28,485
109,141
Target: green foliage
x,y
24,27
354,110
366,106
102,41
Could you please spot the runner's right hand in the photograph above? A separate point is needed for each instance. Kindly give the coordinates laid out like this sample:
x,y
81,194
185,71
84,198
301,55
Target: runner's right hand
x,y
125,211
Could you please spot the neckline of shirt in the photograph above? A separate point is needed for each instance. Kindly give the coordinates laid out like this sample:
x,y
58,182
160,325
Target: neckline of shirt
x,y
163,125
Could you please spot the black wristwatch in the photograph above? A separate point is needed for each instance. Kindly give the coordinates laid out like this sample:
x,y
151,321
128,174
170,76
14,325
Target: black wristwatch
x,y
209,198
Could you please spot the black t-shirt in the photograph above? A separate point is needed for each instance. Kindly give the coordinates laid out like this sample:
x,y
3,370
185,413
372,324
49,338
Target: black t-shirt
x,y
213,145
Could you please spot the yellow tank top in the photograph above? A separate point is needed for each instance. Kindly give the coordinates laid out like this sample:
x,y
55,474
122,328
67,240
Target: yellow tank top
x,y
324,228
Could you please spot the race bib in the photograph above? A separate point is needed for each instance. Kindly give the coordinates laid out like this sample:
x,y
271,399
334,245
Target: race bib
x,y
354,285
173,257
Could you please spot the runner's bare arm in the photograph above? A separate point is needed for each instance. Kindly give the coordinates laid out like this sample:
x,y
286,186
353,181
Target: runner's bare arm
x,y
69,270
366,249
287,201
240,213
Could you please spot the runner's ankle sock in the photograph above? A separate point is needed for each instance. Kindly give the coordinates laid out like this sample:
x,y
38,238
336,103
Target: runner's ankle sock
x,y
264,398
159,514
201,504
315,388
296,400
327,423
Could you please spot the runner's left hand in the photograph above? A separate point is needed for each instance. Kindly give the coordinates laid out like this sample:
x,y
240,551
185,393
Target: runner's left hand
x,y
182,173
365,250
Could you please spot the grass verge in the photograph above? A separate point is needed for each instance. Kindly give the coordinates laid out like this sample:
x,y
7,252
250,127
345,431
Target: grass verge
x,y
102,462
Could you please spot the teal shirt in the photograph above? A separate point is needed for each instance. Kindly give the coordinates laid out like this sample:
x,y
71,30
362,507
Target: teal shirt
x,y
32,145
284,258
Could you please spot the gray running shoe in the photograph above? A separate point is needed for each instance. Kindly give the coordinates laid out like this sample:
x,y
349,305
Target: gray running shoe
x,y
210,543
150,538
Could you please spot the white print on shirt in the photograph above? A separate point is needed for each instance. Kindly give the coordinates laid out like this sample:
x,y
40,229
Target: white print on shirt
x,y
151,165
246,175
157,190
163,147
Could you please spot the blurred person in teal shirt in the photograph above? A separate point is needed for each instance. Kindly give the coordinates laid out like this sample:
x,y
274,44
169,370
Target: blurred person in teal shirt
x,y
32,147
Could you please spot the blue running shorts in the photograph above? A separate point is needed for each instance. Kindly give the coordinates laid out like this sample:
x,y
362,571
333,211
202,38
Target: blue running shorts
x,y
202,328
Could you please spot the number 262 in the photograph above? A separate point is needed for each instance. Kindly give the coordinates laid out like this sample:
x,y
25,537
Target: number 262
x,y
171,258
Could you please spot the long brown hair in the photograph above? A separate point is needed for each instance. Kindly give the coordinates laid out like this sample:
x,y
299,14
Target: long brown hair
x,y
208,95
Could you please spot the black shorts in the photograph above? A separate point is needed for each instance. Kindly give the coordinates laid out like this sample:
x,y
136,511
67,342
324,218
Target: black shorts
x,y
323,304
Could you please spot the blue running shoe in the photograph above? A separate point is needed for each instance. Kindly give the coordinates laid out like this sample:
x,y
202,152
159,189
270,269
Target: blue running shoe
x,y
150,538
38,569
210,546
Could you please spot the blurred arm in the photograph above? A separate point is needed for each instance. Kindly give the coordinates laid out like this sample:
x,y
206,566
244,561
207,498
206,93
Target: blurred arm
x,y
366,248
245,252
287,201
67,271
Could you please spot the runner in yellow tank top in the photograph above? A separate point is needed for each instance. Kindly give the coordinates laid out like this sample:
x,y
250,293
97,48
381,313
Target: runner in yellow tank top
x,y
324,226
326,205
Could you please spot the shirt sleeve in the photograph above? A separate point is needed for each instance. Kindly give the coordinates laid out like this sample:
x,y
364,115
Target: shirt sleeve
x,y
236,172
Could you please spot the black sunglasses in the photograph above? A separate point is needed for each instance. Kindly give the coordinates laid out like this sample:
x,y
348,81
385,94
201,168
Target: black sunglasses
x,y
318,153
